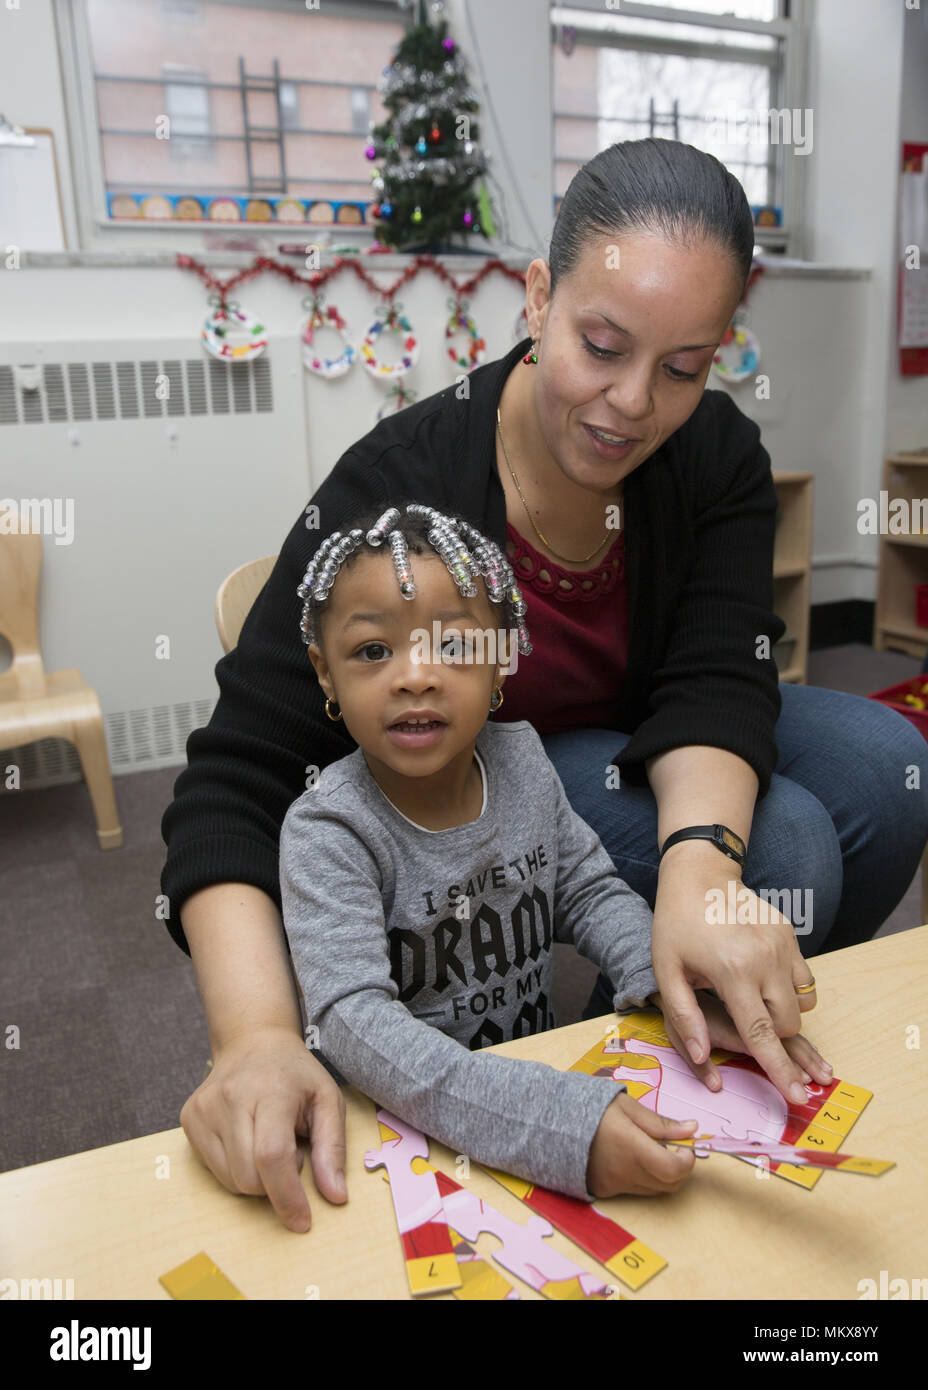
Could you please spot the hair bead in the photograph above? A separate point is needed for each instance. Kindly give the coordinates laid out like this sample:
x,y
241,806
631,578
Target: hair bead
x,y
380,528
450,538
400,554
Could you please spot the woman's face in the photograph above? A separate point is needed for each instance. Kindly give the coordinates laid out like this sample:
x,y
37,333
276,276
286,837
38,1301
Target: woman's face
x,y
626,346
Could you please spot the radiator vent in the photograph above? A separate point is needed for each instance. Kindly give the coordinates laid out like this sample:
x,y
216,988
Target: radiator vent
x,y
137,740
150,389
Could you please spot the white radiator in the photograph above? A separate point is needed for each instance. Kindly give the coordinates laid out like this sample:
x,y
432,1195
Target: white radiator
x,y
166,497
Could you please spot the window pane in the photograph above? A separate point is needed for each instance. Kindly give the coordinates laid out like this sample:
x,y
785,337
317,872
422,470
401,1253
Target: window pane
x,y
714,89
701,91
613,22
327,67
741,9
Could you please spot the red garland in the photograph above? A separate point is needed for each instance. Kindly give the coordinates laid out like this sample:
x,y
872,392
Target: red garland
x,y
756,272
315,282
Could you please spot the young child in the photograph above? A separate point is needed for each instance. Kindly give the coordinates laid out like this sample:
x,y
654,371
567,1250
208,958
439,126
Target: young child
x,y
425,876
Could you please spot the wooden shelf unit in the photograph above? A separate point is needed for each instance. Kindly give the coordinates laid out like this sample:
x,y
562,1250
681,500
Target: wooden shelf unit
x,y
903,563
792,567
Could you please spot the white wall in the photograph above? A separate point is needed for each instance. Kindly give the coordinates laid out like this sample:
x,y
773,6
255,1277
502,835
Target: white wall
x,y
828,344
855,75
907,397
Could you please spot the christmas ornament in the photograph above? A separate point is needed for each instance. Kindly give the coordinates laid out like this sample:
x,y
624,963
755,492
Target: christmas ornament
x,y
230,334
395,400
389,317
738,356
475,349
488,226
313,360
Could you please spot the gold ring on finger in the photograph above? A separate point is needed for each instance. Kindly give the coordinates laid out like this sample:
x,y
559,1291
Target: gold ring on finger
x,y
805,989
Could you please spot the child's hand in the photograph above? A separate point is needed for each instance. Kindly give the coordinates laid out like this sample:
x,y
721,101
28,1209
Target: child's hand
x,y
625,1156
723,1033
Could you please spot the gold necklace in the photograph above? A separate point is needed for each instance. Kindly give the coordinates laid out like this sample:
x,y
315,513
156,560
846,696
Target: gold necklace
x,y
580,561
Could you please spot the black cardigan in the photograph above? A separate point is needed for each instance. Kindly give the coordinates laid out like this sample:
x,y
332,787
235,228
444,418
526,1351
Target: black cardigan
x,y
699,520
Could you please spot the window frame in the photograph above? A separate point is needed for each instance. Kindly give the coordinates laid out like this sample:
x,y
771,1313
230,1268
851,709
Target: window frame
x,y
791,26
79,88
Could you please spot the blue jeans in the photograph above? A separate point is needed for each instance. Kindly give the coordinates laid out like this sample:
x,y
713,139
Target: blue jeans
x,y
846,814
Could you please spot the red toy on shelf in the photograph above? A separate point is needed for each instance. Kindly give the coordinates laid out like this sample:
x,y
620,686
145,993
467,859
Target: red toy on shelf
x,y
909,698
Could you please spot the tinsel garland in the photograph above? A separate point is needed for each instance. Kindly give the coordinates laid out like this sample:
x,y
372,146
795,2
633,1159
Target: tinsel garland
x,y
321,277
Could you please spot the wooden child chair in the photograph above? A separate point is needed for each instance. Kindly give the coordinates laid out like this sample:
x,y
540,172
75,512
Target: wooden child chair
x,y
236,595
35,703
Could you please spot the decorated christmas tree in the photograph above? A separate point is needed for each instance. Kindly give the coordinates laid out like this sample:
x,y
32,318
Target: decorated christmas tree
x,y
427,185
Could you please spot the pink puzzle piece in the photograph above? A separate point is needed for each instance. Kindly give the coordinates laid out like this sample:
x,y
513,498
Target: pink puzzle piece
x,y
525,1251
747,1107
416,1198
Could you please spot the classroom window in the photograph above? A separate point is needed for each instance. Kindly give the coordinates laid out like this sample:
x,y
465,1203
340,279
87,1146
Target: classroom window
x,y
229,110
723,75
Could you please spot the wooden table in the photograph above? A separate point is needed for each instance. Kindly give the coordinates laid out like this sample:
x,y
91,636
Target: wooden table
x,y
114,1219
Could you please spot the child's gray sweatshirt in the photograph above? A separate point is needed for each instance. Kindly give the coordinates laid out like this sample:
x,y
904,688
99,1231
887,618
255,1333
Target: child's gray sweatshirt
x,y
414,947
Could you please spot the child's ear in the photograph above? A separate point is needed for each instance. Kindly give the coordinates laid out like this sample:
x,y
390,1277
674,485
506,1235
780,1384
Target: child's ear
x,y
321,668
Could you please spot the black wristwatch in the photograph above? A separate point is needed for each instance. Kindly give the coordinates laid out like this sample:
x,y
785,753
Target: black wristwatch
x,y
724,839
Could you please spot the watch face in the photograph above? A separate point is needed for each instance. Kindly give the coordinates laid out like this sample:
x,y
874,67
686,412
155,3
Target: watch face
x,y
732,841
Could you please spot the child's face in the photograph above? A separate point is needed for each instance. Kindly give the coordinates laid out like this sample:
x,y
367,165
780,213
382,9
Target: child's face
x,y
379,660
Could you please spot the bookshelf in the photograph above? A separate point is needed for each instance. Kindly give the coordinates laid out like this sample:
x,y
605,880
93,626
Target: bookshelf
x,y
792,570
903,562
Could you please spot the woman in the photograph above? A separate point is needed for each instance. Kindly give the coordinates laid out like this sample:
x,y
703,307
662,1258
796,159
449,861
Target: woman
x,y
647,566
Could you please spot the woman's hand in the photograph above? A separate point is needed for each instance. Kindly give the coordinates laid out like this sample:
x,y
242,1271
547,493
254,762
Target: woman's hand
x,y
723,1033
753,968
626,1157
265,1088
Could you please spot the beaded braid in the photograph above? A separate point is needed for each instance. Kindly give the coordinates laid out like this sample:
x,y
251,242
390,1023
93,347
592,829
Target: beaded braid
x,y
445,535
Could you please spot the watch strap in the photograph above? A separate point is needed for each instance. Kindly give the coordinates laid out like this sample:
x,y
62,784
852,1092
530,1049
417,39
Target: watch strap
x,y
721,836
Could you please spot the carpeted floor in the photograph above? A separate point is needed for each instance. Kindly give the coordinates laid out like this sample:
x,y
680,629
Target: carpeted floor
x,y
112,1038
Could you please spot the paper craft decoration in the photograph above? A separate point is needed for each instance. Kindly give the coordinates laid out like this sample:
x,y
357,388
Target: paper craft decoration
x,y
231,334
199,1279
430,1263
525,1251
628,1258
786,1153
749,1107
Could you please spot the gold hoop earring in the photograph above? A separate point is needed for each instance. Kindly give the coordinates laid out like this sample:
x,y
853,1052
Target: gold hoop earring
x,y
332,716
496,699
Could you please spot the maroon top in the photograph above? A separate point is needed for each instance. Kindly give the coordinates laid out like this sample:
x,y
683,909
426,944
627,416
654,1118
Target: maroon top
x,y
578,625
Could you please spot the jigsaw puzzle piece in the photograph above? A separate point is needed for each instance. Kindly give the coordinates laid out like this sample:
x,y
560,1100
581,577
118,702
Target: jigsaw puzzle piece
x,y
480,1282
525,1251
427,1249
598,1235
787,1153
